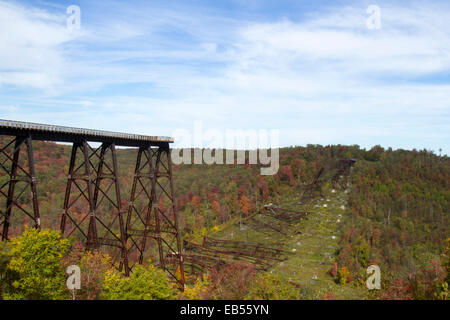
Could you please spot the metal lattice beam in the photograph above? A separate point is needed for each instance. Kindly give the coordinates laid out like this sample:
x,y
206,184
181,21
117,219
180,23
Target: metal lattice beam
x,y
152,214
92,174
19,177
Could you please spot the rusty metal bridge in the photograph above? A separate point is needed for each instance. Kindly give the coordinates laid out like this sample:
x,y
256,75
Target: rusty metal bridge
x,y
121,229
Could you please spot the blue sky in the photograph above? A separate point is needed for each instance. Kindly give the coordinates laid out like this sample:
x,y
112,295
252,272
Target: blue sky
x,y
311,69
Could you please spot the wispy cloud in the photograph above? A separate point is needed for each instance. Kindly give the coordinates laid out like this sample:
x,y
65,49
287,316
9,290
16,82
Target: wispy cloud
x,y
31,47
322,77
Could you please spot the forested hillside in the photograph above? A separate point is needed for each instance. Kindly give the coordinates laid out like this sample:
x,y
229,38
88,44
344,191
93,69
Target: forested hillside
x,y
395,215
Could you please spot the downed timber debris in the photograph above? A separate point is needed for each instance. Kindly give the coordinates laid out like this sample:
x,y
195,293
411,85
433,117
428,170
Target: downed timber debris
x,y
344,167
228,256
261,256
257,225
257,247
283,219
197,263
311,189
244,252
214,253
338,173
283,214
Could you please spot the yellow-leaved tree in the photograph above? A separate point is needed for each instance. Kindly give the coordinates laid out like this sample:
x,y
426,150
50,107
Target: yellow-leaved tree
x,y
35,270
144,283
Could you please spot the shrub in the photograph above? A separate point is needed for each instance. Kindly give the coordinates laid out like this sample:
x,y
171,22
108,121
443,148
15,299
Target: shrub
x,y
272,287
5,257
144,283
343,276
329,296
35,270
231,282
199,290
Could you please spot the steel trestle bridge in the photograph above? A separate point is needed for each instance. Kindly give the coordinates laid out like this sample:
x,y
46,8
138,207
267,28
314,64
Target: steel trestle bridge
x,y
93,209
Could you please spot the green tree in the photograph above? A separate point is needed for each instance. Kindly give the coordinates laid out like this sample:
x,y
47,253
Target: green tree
x,y
5,257
199,290
144,283
272,287
35,270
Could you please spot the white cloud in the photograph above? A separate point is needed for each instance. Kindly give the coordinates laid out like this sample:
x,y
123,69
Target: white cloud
x,y
413,41
31,40
327,74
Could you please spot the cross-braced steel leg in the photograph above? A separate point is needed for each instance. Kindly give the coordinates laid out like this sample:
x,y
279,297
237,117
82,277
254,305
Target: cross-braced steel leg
x,y
152,213
175,218
90,206
142,201
22,177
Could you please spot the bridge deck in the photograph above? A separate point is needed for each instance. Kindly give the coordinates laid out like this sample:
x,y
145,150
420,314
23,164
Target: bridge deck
x,y
47,132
